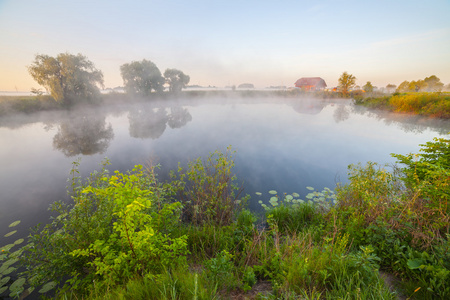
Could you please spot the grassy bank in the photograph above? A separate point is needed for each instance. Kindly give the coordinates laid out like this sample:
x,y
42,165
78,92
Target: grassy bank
x,y
130,236
427,104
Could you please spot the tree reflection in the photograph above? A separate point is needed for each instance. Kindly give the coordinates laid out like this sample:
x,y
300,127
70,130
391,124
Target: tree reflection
x,y
151,122
341,113
308,106
178,117
147,123
85,135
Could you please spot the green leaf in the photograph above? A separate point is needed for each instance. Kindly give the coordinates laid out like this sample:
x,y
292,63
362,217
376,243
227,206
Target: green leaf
x,y
4,281
2,289
273,192
8,271
310,188
289,197
10,233
19,241
258,193
10,262
17,285
415,263
14,223
47,287
295,195
7,247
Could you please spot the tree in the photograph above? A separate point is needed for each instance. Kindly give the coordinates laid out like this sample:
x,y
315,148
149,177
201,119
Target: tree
x,y
403,87
67,77
390,87
346,82
433,84
141,78
368,87
176,79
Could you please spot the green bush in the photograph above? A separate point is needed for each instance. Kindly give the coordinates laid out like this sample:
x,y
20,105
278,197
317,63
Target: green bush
x,y
107,236
207,189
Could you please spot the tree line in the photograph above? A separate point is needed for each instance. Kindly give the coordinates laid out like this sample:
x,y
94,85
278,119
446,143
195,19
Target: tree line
x,y
429,84
69,78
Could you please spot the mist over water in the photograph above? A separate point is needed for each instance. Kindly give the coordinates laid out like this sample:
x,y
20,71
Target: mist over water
x,y
284,144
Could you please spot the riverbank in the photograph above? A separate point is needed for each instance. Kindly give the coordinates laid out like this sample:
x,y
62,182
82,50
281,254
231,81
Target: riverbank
x,y
193,237
435,105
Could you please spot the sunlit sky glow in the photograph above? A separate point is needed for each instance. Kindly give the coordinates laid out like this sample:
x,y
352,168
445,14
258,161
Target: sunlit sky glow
x,y
221,43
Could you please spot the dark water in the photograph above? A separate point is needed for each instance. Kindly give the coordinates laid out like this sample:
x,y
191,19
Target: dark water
x,y
282,144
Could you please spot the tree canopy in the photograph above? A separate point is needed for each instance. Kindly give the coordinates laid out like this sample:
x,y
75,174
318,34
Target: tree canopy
x,y
368,87
67,77
141,78
346,82
176,79
429,84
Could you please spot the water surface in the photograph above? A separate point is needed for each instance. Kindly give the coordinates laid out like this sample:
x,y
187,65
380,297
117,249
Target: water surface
x,y
285,144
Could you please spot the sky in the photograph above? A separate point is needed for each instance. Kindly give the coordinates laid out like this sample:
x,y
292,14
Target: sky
x,y
224,43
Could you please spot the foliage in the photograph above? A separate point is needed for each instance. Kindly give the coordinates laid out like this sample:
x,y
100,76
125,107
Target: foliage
x,y
207,189
108,235
141,78
368,87
67,77
176,79
346,82
426,104
429,84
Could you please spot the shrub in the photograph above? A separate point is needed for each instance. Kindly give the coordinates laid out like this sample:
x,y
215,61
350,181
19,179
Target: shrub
x,y
207,189
107,236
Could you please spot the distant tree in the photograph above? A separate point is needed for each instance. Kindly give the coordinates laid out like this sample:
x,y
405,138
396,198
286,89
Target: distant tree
x,y
246,86
141,78
446,88
346,82
368,87
176,79
390,87
433,84
67,77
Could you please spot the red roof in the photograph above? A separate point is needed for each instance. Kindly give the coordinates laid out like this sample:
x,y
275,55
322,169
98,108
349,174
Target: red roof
x,y
311,81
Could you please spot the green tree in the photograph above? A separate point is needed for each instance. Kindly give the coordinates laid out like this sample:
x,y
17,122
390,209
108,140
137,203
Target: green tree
x,y
368,87
346,82
67,77
141,78
176,79
433,84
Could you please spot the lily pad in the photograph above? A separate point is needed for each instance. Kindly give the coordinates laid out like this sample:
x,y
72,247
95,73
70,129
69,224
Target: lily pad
x,y
2,289
19,241
273,192
14,223
10,233
310,188
17,285
47,287
258,193
4,281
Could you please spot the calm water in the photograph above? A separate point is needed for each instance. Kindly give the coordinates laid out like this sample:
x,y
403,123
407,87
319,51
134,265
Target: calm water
x,y
282,144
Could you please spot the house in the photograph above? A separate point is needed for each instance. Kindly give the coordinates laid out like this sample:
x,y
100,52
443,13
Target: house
x,y
310,83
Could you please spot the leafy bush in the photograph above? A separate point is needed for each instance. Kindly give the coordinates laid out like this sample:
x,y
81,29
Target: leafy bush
x,y
108,235
207,189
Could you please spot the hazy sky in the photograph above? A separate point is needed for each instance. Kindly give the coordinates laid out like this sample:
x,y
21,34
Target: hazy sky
x,y
232,42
